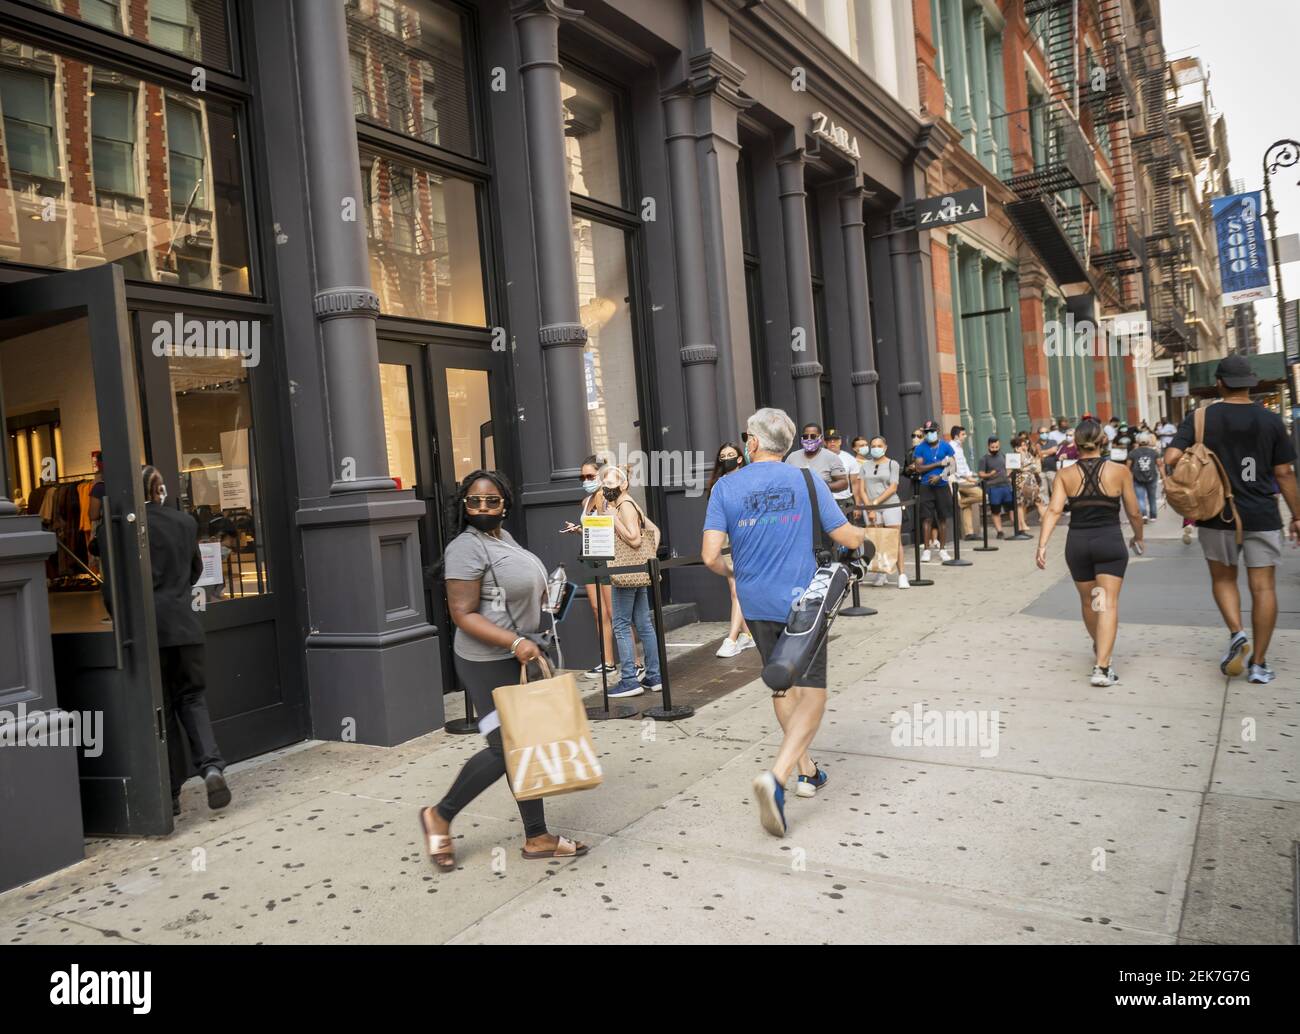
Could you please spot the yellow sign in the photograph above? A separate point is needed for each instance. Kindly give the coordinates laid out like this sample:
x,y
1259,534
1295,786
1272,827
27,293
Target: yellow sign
x,y
598,536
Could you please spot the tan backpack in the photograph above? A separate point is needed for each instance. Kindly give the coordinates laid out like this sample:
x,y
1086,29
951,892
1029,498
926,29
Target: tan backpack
x,y
1199,487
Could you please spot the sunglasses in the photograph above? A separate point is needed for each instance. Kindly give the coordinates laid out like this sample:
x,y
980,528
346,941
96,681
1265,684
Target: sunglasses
x,y
482,502
588,477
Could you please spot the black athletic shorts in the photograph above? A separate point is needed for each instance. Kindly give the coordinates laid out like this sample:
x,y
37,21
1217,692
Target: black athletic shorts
x,y
936,502
766,633
1093,551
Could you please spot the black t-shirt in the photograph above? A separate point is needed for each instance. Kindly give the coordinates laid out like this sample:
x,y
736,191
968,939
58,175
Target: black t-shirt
x,y
1144,465
1250,441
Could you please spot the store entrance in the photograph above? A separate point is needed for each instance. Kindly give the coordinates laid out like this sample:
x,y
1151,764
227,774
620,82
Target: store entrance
x,y
73,452
438,402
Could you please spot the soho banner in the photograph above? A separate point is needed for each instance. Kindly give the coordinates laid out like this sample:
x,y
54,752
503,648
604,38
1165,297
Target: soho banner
x,y
1243,258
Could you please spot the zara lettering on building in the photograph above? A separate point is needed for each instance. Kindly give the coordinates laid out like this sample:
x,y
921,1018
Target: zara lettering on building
x,y
835,135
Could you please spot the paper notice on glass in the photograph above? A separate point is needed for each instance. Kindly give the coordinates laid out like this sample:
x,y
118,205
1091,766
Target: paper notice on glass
x,y
211,554
234,489
1013,461
598,536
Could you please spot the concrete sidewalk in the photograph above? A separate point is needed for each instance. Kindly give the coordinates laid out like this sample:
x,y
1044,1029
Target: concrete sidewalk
x,y
1131,814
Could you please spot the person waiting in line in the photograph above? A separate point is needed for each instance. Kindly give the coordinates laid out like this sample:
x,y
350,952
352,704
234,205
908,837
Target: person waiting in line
x,y
594,503
819,460
1258,457
495,591
969,495
880,487
763,510
738,638
844,496
1029,486
997,486
1093,489
177,565
631,605
1144,463
1048,447
931,459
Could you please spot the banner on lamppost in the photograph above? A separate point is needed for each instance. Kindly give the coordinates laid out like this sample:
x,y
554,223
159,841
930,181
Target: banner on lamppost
x,y
1243,257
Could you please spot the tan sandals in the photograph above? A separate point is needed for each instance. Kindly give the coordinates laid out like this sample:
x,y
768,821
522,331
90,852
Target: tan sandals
x,y
438,845
564,848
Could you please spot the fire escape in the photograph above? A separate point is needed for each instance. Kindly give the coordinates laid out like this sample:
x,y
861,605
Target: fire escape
x,y
1054,171
1121,253
1156,151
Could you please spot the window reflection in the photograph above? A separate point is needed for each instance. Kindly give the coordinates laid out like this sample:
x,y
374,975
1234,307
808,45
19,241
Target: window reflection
x,y
423,234
212,413
408,70
105,167
399,430
609,361
192,28
470,409
591,138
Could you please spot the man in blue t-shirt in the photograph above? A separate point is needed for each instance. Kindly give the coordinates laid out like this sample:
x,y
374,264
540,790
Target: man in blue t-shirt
x,y
765,510
930,460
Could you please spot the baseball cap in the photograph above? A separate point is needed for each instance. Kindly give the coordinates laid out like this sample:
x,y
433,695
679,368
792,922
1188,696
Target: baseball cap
x,y
1236,372
929,425
833,435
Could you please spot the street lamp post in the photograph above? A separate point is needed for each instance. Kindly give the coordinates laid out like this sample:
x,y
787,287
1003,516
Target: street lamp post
x,y
1282,154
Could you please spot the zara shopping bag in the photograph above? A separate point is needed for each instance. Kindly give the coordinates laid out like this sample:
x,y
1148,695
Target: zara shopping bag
x,y
545,735
885,560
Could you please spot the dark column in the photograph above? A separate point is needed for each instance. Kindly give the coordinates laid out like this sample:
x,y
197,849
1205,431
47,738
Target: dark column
x,y
561,333
372,657
699,354
902,246
864,375
806,370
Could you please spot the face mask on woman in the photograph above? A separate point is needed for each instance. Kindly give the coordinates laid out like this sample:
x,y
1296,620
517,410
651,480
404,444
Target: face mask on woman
x,y
877,451
863,450
729,463
612,494
484,521
591,487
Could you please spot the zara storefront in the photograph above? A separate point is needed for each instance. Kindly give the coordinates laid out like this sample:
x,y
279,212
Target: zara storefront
x,y
317,260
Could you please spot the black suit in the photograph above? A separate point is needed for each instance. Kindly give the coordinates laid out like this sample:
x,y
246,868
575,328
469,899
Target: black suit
x,y
177,564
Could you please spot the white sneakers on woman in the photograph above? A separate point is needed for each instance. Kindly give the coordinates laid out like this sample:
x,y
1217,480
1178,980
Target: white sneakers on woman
x,y
731,647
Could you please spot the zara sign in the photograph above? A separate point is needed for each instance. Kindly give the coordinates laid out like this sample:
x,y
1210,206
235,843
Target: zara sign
x,y
958,207
836,135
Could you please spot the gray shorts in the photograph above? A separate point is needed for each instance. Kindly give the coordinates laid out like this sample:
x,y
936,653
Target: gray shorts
x,y
1259,548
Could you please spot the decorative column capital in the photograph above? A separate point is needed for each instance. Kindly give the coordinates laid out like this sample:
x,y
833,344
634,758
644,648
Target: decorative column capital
x,y
552,335
864,377
789,168
694,354
711,73
909,388
812,369
852,199
345,301
553,8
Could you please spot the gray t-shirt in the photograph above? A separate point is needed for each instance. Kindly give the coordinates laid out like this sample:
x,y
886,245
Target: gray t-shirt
x,y
878,476
512,584
996,463
823,462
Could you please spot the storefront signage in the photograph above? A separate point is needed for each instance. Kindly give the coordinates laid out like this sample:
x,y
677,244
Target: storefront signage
x,y
589,377
825,128
211,554
1178,390
1161,368
1243,258
948,209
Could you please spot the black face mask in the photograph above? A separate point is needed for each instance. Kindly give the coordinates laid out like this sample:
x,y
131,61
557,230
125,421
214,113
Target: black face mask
x,y
729,464
484,521
612,494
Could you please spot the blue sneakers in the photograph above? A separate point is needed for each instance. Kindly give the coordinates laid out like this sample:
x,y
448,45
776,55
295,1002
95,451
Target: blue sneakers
x,y
1234,661
1260,674
808,786
771,803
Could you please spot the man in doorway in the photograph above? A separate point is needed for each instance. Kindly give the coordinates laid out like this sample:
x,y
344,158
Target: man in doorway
x,y
930,460
763,509
177,565
1256,452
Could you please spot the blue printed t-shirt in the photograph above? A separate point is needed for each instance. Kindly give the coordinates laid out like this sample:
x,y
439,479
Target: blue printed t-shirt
x,y
936,453
765,511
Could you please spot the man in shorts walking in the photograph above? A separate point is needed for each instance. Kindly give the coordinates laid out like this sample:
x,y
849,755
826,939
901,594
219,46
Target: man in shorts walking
x,y
1258,457
765,511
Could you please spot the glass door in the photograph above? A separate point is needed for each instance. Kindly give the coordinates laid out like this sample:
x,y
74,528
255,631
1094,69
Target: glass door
x,y
73,454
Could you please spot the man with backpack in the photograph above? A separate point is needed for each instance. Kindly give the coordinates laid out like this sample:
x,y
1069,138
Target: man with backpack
x,y
1227,462
1144,462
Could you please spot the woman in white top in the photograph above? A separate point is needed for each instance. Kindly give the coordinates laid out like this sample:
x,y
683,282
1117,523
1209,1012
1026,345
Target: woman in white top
x,y
594,502
877,487
738,637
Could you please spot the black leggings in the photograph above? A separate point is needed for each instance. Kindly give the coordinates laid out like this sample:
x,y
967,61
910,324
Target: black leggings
x,y
489,764
1093,551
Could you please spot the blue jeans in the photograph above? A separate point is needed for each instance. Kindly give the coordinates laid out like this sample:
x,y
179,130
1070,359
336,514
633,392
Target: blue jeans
x,y
1146,492
632,607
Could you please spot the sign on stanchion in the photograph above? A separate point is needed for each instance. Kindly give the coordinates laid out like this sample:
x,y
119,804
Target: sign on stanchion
x,y
915,504
956,560
984,519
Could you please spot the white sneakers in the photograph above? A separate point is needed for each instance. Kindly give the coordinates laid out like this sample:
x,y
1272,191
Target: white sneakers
x,y
880,579
925,556
903,583
1103,676
731,647
943,555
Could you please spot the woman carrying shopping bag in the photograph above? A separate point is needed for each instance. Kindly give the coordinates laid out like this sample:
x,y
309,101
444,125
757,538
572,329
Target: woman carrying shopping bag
x,y
636,540
495,592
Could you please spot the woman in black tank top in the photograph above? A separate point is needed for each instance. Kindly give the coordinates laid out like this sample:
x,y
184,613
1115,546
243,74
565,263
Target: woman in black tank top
x,y
1092,489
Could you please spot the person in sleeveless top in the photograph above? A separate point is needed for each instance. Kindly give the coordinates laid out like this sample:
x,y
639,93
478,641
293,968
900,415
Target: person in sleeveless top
x,y
1093,489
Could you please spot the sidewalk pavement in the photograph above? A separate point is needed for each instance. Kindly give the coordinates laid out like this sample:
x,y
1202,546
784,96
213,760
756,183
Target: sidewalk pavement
x,y
1139,813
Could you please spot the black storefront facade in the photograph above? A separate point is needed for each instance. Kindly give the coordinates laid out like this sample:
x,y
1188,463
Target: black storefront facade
x,y
498,234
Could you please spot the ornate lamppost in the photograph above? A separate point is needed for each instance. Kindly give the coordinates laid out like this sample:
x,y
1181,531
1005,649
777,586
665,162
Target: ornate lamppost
x,y
1282,154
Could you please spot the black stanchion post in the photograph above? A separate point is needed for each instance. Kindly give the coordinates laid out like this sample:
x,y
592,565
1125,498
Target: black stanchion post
x,y
916,535
956,560
468,724
857,610
984,519
1020,534
666,713
605,712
